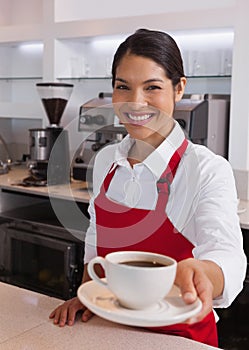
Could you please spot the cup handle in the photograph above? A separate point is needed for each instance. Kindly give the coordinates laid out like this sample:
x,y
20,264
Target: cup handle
x,y
92,273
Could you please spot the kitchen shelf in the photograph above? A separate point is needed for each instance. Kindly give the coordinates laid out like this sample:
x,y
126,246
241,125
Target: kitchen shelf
x,y
20,78
86,78
109,77
208,76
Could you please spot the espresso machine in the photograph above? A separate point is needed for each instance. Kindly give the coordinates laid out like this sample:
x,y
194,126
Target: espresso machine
x,y
205,120
49,147
98,119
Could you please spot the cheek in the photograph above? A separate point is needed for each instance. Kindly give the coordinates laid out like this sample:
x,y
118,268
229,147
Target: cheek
x,y
118,96
165,104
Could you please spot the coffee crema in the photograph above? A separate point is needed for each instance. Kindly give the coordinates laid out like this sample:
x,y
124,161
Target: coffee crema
x,y
142,263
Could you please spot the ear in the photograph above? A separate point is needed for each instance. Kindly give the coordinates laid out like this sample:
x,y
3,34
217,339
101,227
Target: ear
x,y
180,88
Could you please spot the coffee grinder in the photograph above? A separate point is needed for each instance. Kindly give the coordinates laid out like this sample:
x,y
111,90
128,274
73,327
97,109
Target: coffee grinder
x,y
49,147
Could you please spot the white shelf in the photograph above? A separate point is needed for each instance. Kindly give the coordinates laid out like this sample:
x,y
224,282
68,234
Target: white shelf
x,y
215,76
109,77
84,78
10,79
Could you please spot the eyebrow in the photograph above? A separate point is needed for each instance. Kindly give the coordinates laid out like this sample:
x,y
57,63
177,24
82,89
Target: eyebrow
x,y
145,82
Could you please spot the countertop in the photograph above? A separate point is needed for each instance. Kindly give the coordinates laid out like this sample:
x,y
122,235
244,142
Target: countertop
x,y
24,324
77,190
243,211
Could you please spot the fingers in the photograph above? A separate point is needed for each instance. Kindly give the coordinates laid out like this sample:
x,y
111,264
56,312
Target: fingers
x,y
66,313
87,314
194,283
185,281
205,291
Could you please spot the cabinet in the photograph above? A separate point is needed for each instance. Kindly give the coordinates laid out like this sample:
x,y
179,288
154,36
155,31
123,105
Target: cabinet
x,y
39,41
20,69
21,55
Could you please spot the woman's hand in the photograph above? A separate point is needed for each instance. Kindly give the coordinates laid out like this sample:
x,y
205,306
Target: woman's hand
x,y
203,279
66,312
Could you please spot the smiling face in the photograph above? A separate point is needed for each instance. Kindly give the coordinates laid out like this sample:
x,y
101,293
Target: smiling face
x,y
144,98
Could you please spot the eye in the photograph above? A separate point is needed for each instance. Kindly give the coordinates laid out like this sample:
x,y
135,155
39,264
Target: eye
x,y
153,87
121,87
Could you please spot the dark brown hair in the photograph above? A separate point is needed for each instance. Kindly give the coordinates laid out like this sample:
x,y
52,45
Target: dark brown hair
x,y
156,45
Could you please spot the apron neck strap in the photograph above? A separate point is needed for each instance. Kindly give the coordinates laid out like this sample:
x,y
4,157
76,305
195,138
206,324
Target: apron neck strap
x,y
168,175
163,184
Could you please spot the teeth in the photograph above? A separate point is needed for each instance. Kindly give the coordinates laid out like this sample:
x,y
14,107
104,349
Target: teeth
x,y
139,118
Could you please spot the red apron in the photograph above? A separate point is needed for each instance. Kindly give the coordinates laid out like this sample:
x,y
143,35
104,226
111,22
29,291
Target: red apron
x,y
123,228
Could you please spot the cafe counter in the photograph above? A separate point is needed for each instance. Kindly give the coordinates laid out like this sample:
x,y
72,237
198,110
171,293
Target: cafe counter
x,y
13,181
24,324
75,191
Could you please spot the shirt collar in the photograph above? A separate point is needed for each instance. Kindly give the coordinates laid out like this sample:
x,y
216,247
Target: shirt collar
x,y
121,154
158,160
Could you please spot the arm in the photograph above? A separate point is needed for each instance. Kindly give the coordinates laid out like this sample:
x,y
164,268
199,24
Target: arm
x,y
217,271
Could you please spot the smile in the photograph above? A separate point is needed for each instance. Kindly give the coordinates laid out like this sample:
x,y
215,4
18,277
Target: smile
x,y
139,119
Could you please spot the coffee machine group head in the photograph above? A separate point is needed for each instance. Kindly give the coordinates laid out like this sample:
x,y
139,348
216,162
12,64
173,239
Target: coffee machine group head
x,y
49,147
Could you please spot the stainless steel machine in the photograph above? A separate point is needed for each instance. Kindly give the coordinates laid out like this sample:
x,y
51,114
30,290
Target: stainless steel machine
x,y
205,118
192,115
49,148
98,119
218,123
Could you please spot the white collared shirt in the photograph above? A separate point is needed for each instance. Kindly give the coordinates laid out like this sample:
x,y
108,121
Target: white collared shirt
x,y
202,204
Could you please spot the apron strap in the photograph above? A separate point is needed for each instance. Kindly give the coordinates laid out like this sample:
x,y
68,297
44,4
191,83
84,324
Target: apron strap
x,y
163,184
108,178
168,175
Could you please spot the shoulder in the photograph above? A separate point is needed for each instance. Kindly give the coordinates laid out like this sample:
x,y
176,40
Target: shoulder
x,y
208,167
207,160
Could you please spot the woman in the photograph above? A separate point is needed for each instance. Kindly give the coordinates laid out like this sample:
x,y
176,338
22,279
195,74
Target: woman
x,y
187,192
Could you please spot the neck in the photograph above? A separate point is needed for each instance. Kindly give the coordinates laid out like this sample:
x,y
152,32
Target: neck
x,y
141,149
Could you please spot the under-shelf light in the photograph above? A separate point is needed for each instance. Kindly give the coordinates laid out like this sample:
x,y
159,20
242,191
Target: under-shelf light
x,y
107,43
31,47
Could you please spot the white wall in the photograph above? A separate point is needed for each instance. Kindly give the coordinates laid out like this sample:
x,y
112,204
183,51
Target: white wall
x,y
18,11
94,9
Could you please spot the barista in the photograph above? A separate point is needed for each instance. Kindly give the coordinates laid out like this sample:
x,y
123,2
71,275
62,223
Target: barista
x,y
187,191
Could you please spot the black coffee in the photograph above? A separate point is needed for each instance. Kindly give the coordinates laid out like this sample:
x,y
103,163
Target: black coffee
x,y
141,263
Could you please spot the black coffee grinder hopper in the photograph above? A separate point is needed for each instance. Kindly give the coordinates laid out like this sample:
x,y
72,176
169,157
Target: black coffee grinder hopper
x,y
49,147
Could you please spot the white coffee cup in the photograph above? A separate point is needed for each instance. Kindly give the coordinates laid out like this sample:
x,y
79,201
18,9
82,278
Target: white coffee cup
x,y
136,287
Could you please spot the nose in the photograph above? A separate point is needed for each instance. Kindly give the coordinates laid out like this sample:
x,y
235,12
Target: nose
x,y
137,98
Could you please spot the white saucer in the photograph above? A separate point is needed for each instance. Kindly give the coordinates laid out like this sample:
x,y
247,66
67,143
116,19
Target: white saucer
x,y
241,210
103,303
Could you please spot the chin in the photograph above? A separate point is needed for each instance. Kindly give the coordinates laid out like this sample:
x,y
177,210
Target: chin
x,y
138,131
